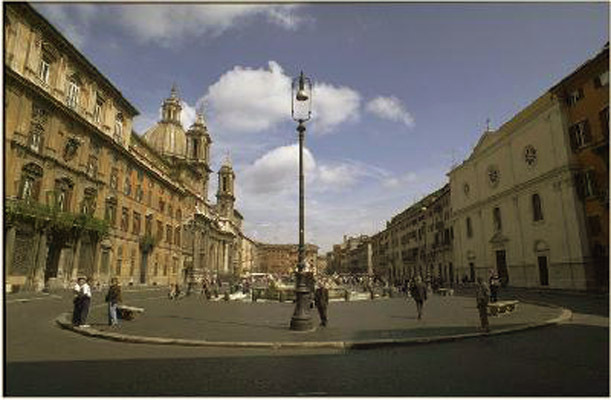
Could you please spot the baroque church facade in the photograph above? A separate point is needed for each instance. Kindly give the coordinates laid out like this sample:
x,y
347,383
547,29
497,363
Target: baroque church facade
x,y
86,195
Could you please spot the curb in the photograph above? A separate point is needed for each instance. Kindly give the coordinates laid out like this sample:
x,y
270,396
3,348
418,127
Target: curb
x,y
64,322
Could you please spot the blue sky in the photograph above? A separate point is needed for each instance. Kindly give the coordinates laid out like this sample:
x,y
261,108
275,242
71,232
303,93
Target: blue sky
x,y
402,90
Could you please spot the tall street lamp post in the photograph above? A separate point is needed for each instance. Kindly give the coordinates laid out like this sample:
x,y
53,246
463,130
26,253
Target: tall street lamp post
x,y
301,111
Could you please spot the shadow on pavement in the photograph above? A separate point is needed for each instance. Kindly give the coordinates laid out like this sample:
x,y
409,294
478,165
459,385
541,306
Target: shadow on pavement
x,y
568,360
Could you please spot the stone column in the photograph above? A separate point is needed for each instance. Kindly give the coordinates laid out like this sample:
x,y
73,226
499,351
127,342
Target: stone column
x,y
96,261
225,257
38,277
75,259
9,250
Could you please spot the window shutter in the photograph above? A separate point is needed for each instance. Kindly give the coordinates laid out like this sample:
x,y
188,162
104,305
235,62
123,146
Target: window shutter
x,y
587,134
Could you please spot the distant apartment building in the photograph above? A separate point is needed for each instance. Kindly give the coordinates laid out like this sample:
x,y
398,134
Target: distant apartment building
x,y
417,241
353,255
282,258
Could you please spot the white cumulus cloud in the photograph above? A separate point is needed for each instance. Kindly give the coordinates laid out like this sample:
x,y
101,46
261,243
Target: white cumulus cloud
x,y
276,171
251,100
390,108
167,24
333,106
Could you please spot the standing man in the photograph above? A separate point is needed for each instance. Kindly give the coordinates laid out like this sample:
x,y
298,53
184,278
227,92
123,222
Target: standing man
x,y
321,298
113,298
419,294
82,300
482,295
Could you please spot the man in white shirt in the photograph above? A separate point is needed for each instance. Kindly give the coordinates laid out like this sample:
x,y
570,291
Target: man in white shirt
x,y
82,300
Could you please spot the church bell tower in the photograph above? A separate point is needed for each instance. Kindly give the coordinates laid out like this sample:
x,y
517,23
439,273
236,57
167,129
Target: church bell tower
x,y
225,195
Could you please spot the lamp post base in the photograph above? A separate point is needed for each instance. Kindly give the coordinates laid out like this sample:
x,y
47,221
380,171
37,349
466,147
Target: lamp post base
x,y
301,320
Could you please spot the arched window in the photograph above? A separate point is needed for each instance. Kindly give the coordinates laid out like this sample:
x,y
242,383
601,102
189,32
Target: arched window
x,y
195,148
537,210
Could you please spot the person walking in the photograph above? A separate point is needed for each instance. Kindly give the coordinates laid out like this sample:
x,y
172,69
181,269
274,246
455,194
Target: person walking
x,y
419,294
494,282
321,299
113,298
482,295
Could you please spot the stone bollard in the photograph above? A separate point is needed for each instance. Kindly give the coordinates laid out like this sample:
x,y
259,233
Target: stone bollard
x,y
347,295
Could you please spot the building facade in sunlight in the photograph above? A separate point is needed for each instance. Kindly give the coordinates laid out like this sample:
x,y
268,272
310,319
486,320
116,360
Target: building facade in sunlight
x,y
531,200
86,195
417,241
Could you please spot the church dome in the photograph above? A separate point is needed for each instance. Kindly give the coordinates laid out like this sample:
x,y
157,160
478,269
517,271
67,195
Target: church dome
x,y
168,136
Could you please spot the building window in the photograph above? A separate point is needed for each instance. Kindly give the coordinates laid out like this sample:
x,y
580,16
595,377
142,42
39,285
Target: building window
x,y
469,228
63,194
537,210
161,205
97,109
73,93
178,214
589,183
496,216
159,230
148,225
37,127
92,166
602,80
45,67
118,135
119,260
127,185
136,224
177,236
139,193
574,97
168,234
580,134
110,214
31,176
89,203
170,211
125,219
224,184
114,178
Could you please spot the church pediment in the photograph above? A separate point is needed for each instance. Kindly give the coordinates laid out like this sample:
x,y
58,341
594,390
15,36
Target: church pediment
x,y
498,238
484,142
